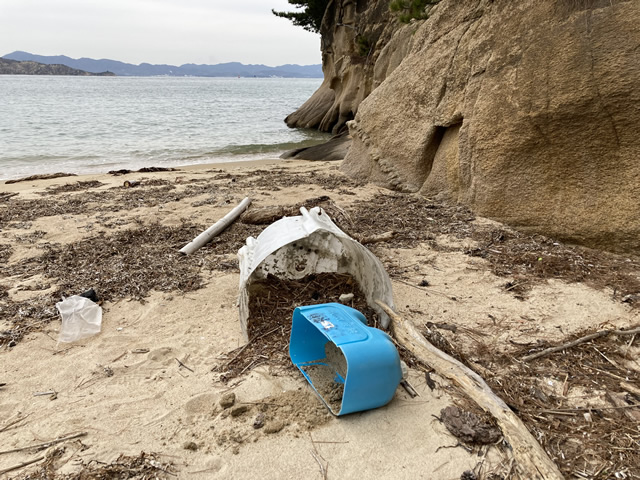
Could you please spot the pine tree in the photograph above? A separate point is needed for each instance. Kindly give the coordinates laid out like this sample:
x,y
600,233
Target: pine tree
x,y
310,17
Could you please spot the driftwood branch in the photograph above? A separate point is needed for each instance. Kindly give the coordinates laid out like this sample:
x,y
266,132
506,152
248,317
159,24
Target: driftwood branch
x,y
215,229
532,461
45,444
382,237
578,341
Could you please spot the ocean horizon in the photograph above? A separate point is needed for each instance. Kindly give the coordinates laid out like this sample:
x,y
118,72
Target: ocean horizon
x,y
87,125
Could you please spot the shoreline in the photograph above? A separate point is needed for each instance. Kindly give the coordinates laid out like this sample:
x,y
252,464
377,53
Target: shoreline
x,y
127,389
15,184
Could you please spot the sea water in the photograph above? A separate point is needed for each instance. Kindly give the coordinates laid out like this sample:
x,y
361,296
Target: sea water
x,y
95,124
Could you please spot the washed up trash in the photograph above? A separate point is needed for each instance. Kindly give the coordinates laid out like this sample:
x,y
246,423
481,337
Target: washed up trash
x,y
294,247
215,229
351,366
91,295
81,318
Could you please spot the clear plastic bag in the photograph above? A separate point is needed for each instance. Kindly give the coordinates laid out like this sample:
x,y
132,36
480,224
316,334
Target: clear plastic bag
x,y
81,318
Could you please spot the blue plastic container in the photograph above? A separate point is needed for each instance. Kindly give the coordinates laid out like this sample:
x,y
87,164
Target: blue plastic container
x,y
373,369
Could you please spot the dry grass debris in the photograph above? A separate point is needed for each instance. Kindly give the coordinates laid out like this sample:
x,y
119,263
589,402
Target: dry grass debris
x,y
126,264
565,401
143,466
522,258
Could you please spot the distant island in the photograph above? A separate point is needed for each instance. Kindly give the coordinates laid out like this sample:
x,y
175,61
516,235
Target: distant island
x,y
232,69
15,67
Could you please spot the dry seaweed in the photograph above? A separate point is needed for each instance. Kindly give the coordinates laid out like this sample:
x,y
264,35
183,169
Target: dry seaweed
x,y
7,195
5,252
72,187
127,264
47,176
143,466
587,436
125,171
531,258
415,219
277,178
112,200
525,259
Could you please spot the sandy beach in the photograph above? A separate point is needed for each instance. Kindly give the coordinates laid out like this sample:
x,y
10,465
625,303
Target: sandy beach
x,y
146,392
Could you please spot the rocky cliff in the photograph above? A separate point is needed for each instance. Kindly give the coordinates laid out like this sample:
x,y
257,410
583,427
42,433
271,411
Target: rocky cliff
x,y
525,111
361,44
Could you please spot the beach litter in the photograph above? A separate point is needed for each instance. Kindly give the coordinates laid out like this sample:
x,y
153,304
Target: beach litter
x,y
81,318
215,229
293,248
351,366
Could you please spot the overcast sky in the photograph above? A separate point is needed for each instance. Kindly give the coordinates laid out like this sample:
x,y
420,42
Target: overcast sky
x,y
157,31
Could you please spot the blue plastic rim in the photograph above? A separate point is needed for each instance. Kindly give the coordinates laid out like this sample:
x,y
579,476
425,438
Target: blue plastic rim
x,y
372,372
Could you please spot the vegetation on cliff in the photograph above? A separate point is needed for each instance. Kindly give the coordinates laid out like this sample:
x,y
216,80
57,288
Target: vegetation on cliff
x,y
407,10
310,17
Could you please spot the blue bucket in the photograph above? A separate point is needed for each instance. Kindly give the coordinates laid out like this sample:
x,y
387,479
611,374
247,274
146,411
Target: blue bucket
x,y
351,366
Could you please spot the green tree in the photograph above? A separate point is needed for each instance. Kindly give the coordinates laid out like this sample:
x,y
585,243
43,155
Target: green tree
x,y
310,17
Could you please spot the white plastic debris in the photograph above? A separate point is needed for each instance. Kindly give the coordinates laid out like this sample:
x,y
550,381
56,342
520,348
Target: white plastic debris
x,y
81,318
294,247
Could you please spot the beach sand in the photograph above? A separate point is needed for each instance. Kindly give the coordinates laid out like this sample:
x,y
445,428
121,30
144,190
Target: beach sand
x,y
152,380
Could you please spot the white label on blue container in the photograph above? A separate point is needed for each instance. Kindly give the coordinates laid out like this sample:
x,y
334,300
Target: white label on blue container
x,y
327,325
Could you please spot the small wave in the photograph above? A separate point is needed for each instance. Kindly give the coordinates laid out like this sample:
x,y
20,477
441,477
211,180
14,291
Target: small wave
x,y
257,149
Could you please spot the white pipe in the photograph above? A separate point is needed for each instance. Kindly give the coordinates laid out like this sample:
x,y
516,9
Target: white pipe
x,y
215,229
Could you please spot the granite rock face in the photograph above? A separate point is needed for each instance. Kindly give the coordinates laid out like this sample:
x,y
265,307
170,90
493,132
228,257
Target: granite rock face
x,y
362,44
525,111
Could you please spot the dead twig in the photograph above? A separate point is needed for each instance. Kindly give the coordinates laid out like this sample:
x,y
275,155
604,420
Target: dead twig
x,y
183,365
567,411
9,425
21,465
586,338
42,394
323,470
413,393
628,387
45,444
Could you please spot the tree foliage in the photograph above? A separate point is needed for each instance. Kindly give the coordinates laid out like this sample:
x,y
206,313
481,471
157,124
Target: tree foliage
x,y
310,15
410,9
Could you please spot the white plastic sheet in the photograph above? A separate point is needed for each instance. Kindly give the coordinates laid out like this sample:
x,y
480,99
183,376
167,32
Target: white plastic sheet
x,y
294,247
81,318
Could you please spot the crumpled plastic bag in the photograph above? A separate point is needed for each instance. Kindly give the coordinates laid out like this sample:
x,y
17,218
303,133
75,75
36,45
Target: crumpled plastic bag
x,y
81,318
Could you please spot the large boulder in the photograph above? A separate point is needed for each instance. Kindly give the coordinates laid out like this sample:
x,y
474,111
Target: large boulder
x,y
335,148
526,111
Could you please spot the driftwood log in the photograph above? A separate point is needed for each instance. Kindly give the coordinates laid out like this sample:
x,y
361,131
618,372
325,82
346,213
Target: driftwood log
x,y
532,462
268,215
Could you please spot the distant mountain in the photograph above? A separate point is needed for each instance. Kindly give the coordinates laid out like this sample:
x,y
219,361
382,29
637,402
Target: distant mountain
x,y
15,67
233,69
